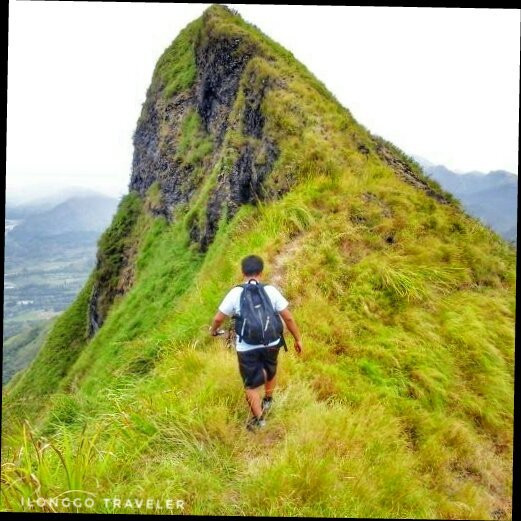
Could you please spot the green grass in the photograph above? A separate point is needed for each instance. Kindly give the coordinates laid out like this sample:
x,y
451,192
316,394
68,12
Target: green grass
x,y
382,416
194,145
115,250
402,402
176,69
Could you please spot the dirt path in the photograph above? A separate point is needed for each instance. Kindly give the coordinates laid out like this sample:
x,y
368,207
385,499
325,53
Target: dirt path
x,y
281,259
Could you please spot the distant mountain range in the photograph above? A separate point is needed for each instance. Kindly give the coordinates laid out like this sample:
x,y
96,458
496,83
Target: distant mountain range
x,y
43,225
21,210
50,249
492,197
79,213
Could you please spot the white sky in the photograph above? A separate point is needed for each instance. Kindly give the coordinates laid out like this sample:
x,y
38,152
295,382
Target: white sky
x,y
439,83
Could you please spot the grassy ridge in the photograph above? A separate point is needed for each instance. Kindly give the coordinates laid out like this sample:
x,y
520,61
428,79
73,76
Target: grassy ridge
x,y
385,415
402,403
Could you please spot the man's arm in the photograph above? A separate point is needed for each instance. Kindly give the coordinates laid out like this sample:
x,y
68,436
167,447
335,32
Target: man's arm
x,y
293,328
217,321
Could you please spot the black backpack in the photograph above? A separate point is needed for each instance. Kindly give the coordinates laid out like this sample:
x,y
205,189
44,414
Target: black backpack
x,y
258,322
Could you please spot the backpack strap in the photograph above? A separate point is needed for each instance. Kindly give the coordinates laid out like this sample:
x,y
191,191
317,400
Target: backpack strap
x,y
236,317
244,284
283,342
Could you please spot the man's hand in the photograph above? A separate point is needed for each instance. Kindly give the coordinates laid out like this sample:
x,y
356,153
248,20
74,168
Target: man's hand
x,y
219,332
292,326
217,321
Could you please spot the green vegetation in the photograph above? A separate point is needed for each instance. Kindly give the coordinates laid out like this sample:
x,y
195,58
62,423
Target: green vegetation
x,y
176,68
115,249
402,402
417,170
194,144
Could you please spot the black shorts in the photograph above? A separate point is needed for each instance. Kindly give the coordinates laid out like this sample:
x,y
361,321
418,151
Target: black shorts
x,y
253,364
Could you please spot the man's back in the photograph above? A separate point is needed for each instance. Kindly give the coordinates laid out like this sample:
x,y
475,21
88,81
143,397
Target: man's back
x,y
231,306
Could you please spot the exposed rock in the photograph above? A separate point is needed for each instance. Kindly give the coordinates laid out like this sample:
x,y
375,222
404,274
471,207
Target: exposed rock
x,y
221,63
115,262
363,149
102,295
244,184
94,320
155,146
253,119
407,174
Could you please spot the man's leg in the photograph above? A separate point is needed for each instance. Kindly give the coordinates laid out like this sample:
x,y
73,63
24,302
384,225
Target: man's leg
x,y
253,379
270,370
253,395
269,386
254,401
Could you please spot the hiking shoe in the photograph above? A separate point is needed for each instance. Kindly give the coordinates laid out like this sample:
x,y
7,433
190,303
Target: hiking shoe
x,y
267,402
255,423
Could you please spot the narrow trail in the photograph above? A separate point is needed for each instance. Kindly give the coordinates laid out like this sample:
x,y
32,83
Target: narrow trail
x,y
280,261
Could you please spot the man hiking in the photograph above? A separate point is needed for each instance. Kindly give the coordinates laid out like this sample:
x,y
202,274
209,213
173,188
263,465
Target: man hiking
x,y
257,309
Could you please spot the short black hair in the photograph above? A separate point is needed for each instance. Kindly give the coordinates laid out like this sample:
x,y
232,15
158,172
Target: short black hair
x,y
252,265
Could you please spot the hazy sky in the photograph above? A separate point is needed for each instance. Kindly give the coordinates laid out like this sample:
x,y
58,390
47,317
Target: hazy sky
x,y
439,83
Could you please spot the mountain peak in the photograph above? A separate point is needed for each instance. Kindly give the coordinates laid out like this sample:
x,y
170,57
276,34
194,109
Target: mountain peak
x,y
225,104
223,13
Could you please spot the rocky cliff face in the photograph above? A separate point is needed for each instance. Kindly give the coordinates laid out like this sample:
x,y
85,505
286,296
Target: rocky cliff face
x,y
220,79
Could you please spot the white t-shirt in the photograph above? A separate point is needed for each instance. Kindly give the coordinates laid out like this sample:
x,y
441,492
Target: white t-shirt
x,y
232,302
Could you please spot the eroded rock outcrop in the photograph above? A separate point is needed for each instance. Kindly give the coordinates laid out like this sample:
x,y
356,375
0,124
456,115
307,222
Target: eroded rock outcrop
x,y
221,63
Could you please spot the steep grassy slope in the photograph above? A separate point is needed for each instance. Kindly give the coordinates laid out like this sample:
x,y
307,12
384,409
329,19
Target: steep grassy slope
x,y
402,403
